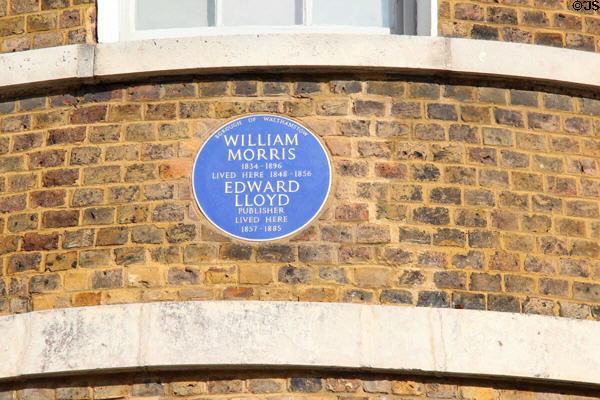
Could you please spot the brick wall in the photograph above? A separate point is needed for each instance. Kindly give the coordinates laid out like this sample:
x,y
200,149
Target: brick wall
x,y
31,24
543,22
446,195
286,385
34,24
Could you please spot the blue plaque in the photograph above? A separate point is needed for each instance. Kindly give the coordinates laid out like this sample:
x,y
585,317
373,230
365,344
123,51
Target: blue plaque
x,y
261,177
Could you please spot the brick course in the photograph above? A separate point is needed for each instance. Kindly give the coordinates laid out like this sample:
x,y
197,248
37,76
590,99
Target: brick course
x,y
283,385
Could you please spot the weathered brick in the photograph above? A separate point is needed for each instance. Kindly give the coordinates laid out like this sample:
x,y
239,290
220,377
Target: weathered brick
x,y
509,117
105,133
429,132
46,159
87,197
181,233
132,214
397,212
505,220
112,236
548,39
483,239
35,242
433,299
16,123
483,155
99,216
560,185
169,212
60,219
564,144
315,253
523,98
305,384
519,284
570,227
485,282
425,172
194,254
101,175
351,168
529,182
546,204
354,128
536,305
60,177
432,259
424,90
373,149
8,244
78,238
386,129
130,255
434,216
468,301
445,195
335,274
513,159
357,296
88,115
553,246
22,222
107,279
447,153
580,208
470,218
402,109
446,112
498,302
554,287
450,280
27,141
585,248
369,107
493,178
60,261
473,259
23,262
471,114
414,236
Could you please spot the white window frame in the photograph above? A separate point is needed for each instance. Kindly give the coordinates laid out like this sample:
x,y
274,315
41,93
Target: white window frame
x,y
116,22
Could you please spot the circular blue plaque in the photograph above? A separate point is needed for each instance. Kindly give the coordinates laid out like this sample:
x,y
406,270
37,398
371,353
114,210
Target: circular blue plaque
x,y
261,177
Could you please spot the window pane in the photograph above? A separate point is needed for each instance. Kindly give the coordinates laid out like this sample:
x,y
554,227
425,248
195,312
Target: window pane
x,y
374,13
261,12
165,14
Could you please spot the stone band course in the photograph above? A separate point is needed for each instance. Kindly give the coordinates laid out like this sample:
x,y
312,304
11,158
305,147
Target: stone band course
x,y
287,335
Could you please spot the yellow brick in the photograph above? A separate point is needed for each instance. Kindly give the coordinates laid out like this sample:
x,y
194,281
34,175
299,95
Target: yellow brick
x,y
122,296
476,393
144,277
221,275
258,274
49,301
76,281
408,387
372,277
160,295
318,294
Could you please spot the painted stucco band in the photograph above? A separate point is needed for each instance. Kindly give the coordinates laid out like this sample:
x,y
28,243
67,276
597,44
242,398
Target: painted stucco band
x,y
121,61
286,334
